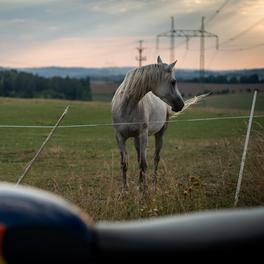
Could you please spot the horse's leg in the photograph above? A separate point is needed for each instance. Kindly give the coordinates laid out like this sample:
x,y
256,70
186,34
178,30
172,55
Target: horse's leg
x,y
137,147
141,146
121,141
158,147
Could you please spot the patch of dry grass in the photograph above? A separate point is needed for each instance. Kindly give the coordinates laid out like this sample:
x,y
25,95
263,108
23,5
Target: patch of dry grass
x,y
198,170
201,175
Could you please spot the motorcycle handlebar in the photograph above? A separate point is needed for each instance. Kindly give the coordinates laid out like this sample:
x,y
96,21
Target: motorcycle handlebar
x,y
230,231
39,227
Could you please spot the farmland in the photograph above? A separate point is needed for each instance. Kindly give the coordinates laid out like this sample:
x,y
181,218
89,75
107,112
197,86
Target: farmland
x,y
198,170
104,91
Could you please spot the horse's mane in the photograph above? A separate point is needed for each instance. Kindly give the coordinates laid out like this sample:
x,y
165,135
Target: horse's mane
x,y
140,81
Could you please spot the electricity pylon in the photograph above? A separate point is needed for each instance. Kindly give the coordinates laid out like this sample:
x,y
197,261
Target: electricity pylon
x,y
140,58
187,34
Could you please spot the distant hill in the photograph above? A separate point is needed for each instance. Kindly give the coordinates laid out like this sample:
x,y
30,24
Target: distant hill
x,y
77,72
117,73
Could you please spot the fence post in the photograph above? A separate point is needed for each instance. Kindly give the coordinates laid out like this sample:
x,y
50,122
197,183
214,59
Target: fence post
x,y
29,165
245,149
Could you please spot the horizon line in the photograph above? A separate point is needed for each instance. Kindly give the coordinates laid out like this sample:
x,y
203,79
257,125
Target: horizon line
x,y
120,67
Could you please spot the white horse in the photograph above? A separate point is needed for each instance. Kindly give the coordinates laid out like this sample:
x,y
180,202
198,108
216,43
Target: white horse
x,y
141,107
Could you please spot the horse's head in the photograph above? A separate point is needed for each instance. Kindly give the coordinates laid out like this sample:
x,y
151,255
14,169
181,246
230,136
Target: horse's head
x,y
167,89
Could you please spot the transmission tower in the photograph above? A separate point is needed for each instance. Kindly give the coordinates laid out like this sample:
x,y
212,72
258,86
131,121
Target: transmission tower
x,y
140,58
202,51
187,34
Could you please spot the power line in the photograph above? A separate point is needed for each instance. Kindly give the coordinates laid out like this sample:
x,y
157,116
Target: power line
x,y
216,12
184,56
171,35
212,59
243,32
240,34
244,48
233,50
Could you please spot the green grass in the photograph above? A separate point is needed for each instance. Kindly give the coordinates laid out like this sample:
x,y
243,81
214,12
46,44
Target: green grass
x,y
198,170
241,101
107,97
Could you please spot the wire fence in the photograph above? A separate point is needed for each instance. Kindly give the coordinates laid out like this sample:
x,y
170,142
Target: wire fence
x,y
131,123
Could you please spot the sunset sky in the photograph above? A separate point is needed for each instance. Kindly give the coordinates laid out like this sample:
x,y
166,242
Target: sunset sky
x,y
104,33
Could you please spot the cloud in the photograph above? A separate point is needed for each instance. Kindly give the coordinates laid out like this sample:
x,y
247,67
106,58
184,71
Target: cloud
x,y
93,52
68,32
252,7
116,7
25,2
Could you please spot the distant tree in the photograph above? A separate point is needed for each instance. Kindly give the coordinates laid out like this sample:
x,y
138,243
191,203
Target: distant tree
x,y
254,78
26,85
233,79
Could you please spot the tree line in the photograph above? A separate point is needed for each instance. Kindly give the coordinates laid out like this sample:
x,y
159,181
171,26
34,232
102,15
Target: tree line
x,y
253,78
26,85
230,79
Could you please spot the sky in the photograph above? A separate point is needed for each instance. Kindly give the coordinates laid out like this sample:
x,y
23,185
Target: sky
x,y
105,33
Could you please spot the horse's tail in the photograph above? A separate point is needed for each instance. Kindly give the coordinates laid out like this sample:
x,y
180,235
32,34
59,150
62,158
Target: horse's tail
x,y
187,104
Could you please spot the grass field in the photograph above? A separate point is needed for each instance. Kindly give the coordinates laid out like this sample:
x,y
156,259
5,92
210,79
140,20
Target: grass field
x,y
198,171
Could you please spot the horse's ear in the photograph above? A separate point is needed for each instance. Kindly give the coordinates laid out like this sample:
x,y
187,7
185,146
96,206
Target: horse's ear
x,y
171,66
159,61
